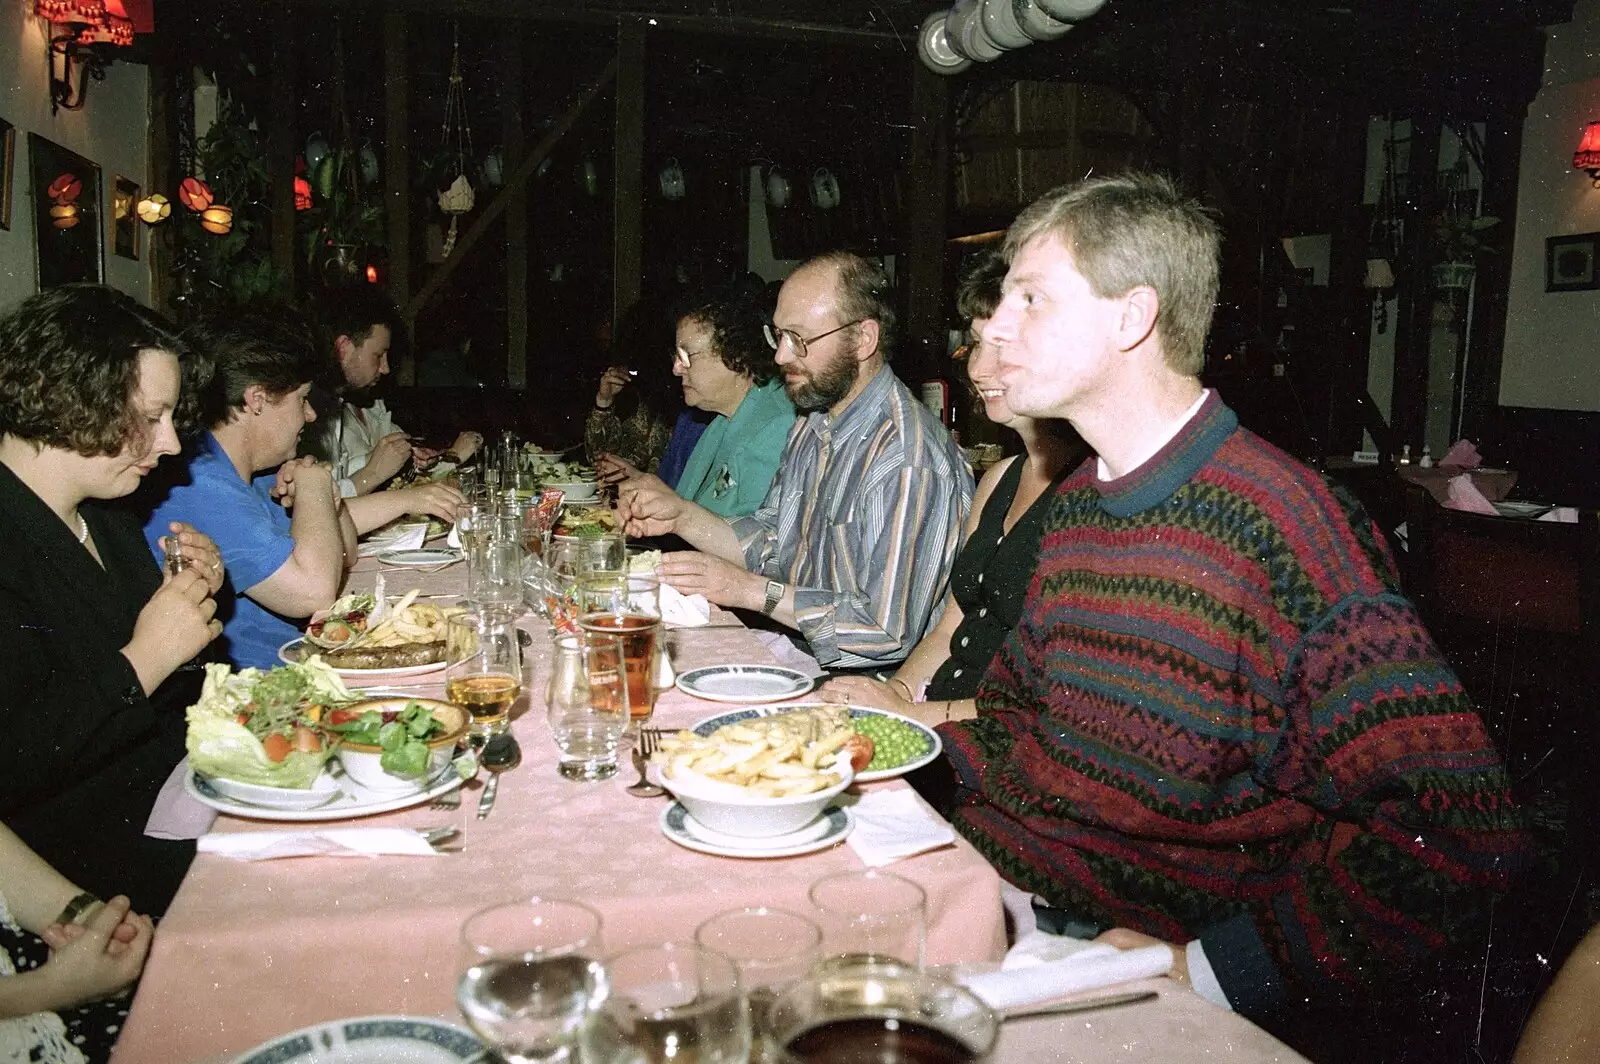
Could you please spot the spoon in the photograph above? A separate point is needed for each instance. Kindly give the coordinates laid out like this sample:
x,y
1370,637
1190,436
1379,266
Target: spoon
x,y
500,754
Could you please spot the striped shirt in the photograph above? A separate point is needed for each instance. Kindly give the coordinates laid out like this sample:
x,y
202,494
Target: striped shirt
x,y
863,518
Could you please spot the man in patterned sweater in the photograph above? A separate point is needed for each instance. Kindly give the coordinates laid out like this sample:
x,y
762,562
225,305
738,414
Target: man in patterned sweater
x,y
1219,724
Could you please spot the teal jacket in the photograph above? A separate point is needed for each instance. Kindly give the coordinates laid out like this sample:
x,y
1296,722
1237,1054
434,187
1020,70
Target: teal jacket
x,y
732,466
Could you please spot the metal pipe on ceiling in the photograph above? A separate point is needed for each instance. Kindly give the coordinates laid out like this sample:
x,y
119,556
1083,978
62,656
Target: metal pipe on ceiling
x,y
981,31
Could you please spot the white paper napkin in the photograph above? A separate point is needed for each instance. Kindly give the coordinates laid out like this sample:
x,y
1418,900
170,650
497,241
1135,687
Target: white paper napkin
x,y
891,825
453,537
176,813
1088,969
1462,494
328,842
664,674
788,655
684,611
1566,515
398,537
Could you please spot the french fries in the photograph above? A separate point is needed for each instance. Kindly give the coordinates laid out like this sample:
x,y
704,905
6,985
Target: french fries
x,y
409,621
780,756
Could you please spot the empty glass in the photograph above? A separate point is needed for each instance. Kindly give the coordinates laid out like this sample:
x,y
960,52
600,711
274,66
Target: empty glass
x,y
483,673
772,948
872,914
677,1001
531,980
494,562
587,705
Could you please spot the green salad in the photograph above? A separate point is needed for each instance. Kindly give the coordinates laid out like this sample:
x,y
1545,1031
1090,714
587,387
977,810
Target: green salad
x,y
264,727
402,735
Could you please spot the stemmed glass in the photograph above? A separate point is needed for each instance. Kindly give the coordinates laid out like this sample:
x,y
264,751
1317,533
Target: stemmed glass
x,y
530,981
483,671
587,702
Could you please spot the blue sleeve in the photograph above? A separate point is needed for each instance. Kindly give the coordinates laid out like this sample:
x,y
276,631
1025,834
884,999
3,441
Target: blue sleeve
x,y
250,530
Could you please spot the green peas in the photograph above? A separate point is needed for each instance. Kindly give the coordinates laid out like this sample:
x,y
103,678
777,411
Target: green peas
x,y
895,742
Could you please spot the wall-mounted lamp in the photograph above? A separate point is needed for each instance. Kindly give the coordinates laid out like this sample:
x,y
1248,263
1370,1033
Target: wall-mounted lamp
x,y
84,25
1587,157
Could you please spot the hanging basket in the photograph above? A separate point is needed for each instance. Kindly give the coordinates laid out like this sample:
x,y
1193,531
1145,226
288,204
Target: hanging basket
x,y
1453,275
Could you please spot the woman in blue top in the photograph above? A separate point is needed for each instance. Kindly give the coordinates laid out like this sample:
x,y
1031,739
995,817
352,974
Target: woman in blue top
x,y
727,369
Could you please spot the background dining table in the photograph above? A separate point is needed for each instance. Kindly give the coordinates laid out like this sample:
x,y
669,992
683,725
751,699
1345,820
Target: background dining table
x,y
251,950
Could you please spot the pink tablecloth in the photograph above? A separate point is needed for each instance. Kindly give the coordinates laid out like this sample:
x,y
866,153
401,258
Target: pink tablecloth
x,y
251,950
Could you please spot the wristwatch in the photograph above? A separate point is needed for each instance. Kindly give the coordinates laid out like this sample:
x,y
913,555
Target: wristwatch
x,y
774,596
75,908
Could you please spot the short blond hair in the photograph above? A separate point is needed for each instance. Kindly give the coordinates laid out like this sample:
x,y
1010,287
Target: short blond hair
x,y
1137,229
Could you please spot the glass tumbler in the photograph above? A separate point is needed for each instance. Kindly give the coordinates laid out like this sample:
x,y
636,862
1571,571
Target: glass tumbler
x,y
871,914
672,1002
531,980
587,705
629,607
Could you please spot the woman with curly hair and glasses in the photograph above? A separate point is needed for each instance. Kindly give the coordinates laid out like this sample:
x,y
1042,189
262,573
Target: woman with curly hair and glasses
x,y
726,367
92,391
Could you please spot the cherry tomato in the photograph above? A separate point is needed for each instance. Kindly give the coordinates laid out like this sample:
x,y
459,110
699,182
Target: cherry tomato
x,y
860,748
343,716
277,746
308,742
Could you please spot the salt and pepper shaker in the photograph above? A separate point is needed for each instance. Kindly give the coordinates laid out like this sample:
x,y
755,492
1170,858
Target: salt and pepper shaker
x,y
1426,462
1405,454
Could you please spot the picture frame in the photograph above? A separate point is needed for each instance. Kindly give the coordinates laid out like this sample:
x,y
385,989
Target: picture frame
x,y
125,195
8,158
64,253
1572,263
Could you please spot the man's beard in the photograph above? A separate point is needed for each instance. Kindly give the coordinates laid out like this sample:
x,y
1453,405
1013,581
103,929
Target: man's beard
x,y
821,390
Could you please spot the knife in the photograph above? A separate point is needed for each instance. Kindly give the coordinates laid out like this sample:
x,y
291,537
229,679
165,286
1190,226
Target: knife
x,y
1108,1001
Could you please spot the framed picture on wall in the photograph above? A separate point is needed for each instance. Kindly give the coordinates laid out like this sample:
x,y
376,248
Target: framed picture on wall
x,y
1572,263
67,242
8,158
124,219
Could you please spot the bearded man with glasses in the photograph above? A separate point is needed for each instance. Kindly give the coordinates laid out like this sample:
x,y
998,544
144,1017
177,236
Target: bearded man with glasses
x,y
852,545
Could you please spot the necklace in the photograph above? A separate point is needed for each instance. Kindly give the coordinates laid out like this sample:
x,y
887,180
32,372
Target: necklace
x,y
83,530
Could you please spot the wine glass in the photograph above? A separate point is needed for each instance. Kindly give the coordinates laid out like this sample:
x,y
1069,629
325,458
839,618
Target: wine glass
x,y
587,704
483,671
530,978
677,1001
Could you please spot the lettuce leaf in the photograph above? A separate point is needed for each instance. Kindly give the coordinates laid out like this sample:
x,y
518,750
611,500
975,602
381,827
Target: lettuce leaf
x,y
219,745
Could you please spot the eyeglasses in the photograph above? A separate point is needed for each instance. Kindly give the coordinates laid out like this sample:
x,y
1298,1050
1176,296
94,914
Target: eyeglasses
x,y
776,336
684,357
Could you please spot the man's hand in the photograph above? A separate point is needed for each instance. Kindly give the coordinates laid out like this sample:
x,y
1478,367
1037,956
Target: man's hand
x,y
611,384
198,550
466,445
724,583
283,484
610,469
649,510
389,456
1126,938
440,500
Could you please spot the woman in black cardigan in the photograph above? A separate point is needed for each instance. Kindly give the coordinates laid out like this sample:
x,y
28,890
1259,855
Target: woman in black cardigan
x,y
91,697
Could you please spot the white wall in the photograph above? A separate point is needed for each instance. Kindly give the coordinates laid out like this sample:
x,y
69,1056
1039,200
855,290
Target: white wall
x,y
111,130
1552,337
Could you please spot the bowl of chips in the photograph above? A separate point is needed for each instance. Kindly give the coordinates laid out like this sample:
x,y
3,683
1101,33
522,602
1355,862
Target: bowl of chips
x,y
757,778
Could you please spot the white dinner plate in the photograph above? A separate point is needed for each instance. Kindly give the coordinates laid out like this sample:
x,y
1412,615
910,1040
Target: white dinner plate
x,y
422,557
370,1040
289,654
934,746
353,799
744,683
827,830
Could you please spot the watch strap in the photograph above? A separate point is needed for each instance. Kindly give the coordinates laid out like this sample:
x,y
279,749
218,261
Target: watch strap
x,y
774,596
75,908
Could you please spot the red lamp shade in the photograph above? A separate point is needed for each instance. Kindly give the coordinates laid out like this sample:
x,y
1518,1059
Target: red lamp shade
x,y
90,11
97,21
1587,157
302,194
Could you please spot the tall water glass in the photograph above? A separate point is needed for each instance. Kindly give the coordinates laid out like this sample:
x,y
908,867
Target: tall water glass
x,y
772,948
673,1002
587,705
483,673
494,564
629,607
531,981
873,914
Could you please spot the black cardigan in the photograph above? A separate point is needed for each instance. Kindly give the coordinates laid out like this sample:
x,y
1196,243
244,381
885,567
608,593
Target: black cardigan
x,y
85,752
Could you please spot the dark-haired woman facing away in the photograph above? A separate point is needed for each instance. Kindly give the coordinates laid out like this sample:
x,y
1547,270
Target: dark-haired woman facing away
x,y
92,389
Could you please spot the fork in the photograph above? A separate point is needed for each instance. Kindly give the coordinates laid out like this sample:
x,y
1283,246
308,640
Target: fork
x,y
649,739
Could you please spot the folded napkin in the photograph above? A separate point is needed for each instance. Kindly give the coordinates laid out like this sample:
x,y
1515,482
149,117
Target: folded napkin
x,y
1461,455
453,537
396,537
176,813
1088,969
788,655
663,675
891,825
1462,494
327,842
684,611
1566,515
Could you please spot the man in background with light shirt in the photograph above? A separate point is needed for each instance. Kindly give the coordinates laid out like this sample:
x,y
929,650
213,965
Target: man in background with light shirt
x,y
852,545
1218,725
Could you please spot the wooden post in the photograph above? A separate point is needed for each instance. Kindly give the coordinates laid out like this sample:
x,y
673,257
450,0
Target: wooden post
x,y
396,180
511,98
1347,265
1480,380
1413,330
628,192
927,226
280,140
